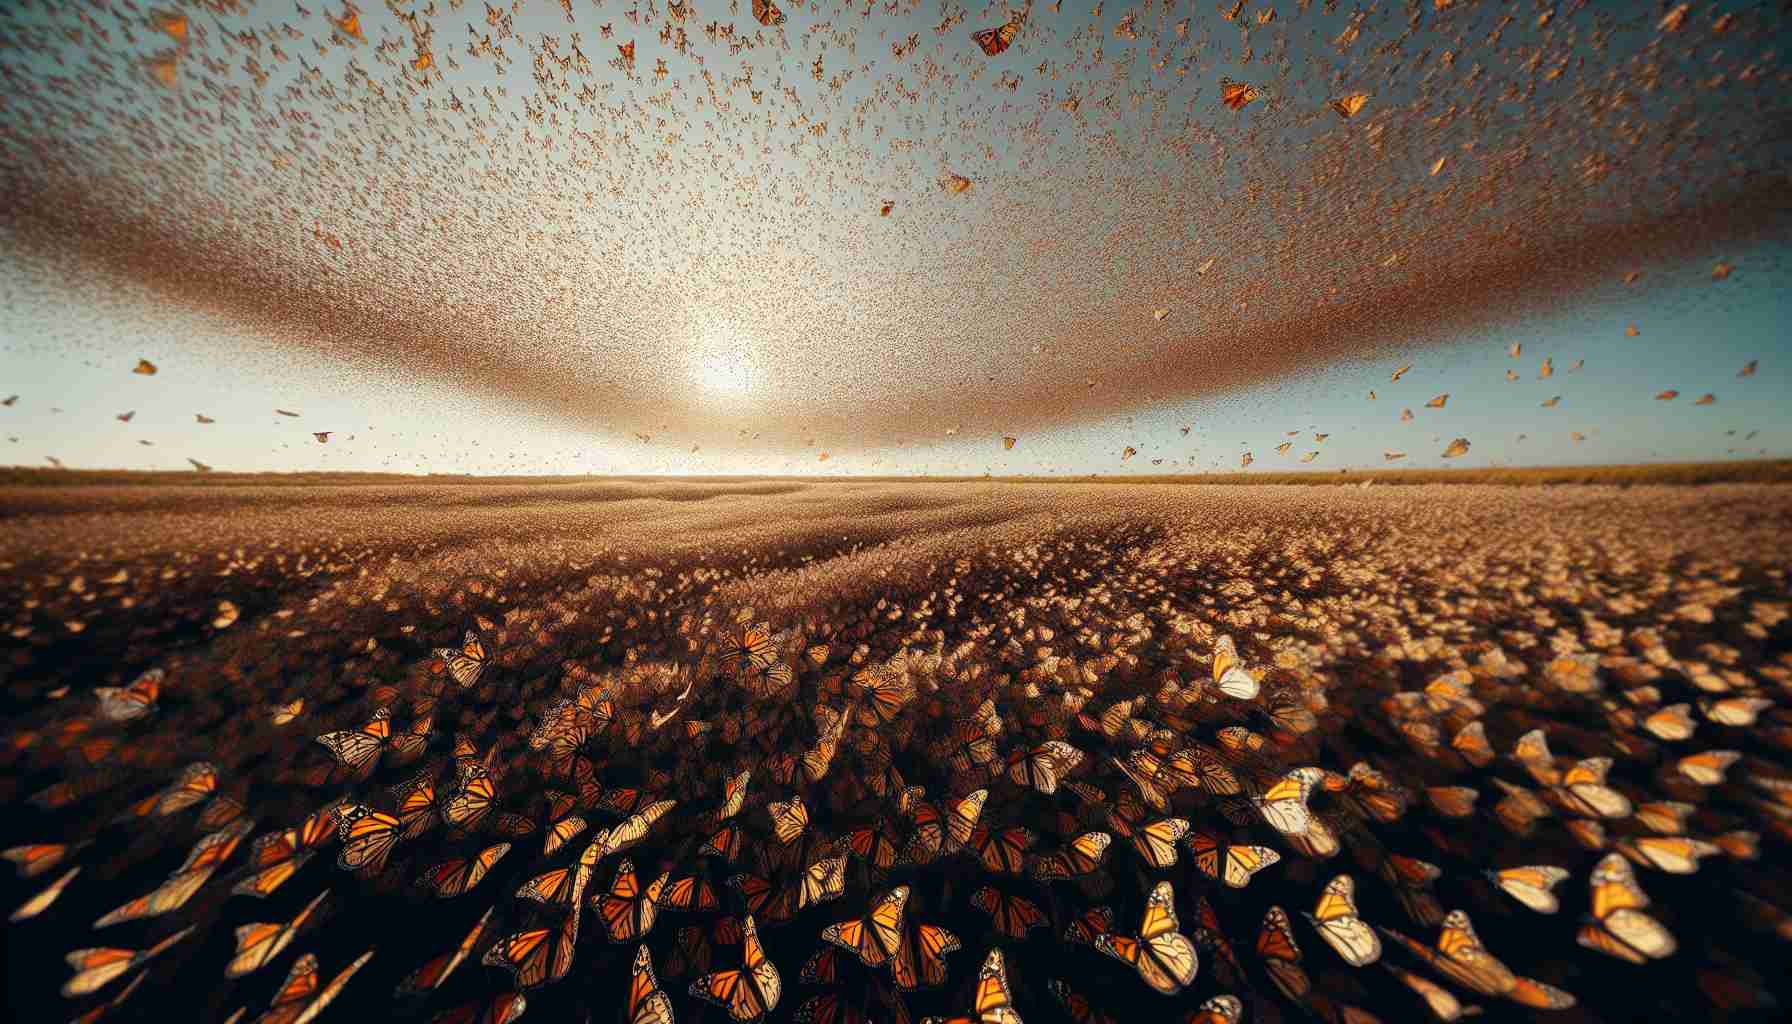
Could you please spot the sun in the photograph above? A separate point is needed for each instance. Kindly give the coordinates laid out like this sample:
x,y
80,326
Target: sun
x,y
724,366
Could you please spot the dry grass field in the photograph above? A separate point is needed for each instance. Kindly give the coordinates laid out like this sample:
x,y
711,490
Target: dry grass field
x,y
1007,700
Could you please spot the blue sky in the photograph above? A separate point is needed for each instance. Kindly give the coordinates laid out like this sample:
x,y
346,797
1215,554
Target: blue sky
x,y
806,284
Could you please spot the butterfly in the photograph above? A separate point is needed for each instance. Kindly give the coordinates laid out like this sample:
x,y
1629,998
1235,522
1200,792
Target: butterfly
x,y
95,968
263,883
431,975
874,843
1077,1005
822,881
1236,866
884,692
1531,885
1229,674
128,703
749,992
1617,926
1676,855
764,899
49,895
258,944
995,40
454,877
1284,805
628,910
767,13
646,1003
1461,957
1081,856
1347,106
1583,791
1439,1000
789,820
538,956
689,893
920,960
1012,915
367,838
356,749
992,1003
1281,955
473,797
561,832
1163,956
1236,94
1002,850
504,1008
465,663
1338,923
876,936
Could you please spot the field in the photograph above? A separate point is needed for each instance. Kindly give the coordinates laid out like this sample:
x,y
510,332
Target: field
x,y
1430,681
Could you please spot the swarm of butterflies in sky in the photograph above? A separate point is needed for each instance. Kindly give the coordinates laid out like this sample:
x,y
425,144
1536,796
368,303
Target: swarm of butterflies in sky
x,y
797,789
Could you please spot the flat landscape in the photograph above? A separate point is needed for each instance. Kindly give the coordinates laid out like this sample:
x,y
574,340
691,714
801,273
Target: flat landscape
x,y
981,710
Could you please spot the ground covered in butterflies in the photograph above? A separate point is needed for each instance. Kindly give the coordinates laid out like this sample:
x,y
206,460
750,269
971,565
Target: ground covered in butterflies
x,y
839,752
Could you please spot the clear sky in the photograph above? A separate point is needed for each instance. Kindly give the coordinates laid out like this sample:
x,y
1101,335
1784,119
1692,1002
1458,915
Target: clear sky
x,y
727,285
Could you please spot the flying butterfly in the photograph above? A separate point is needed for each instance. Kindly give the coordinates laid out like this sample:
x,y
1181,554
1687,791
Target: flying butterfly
x,y
1163,957
749,992
1338,923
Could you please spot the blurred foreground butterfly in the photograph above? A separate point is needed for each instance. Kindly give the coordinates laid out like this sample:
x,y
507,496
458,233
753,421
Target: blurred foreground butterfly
x,y
992,1003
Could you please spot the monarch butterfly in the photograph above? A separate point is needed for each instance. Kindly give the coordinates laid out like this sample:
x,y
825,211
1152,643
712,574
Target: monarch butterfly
x,y
503,1009
734,795
264,882
875,937
724,843
1083,855
1229,674
885,693
764,899
994,41
1236,94
1531,885
920,960
1201,766
128,703
466,663
1461,957
1453,801
628,910
275,847
474,795
1164,958
538,956
42,901
1338,923
822,881
259,944
1583,791
1040,767
94,968
408,745
1535,994
1236,866
749,992
1083,929
646,1003
755,648
634,827
1227,1009
1672,723
1707,768
767,13
454,877
367,837
1012,915
789,819
562,832
197,782
992,1003
1676,855
1617,926
873,843
1284,805
1438,999
1347,106
431,975
689,893
37,858
1003,850
356,749
1281,955
1077,1005
961,819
